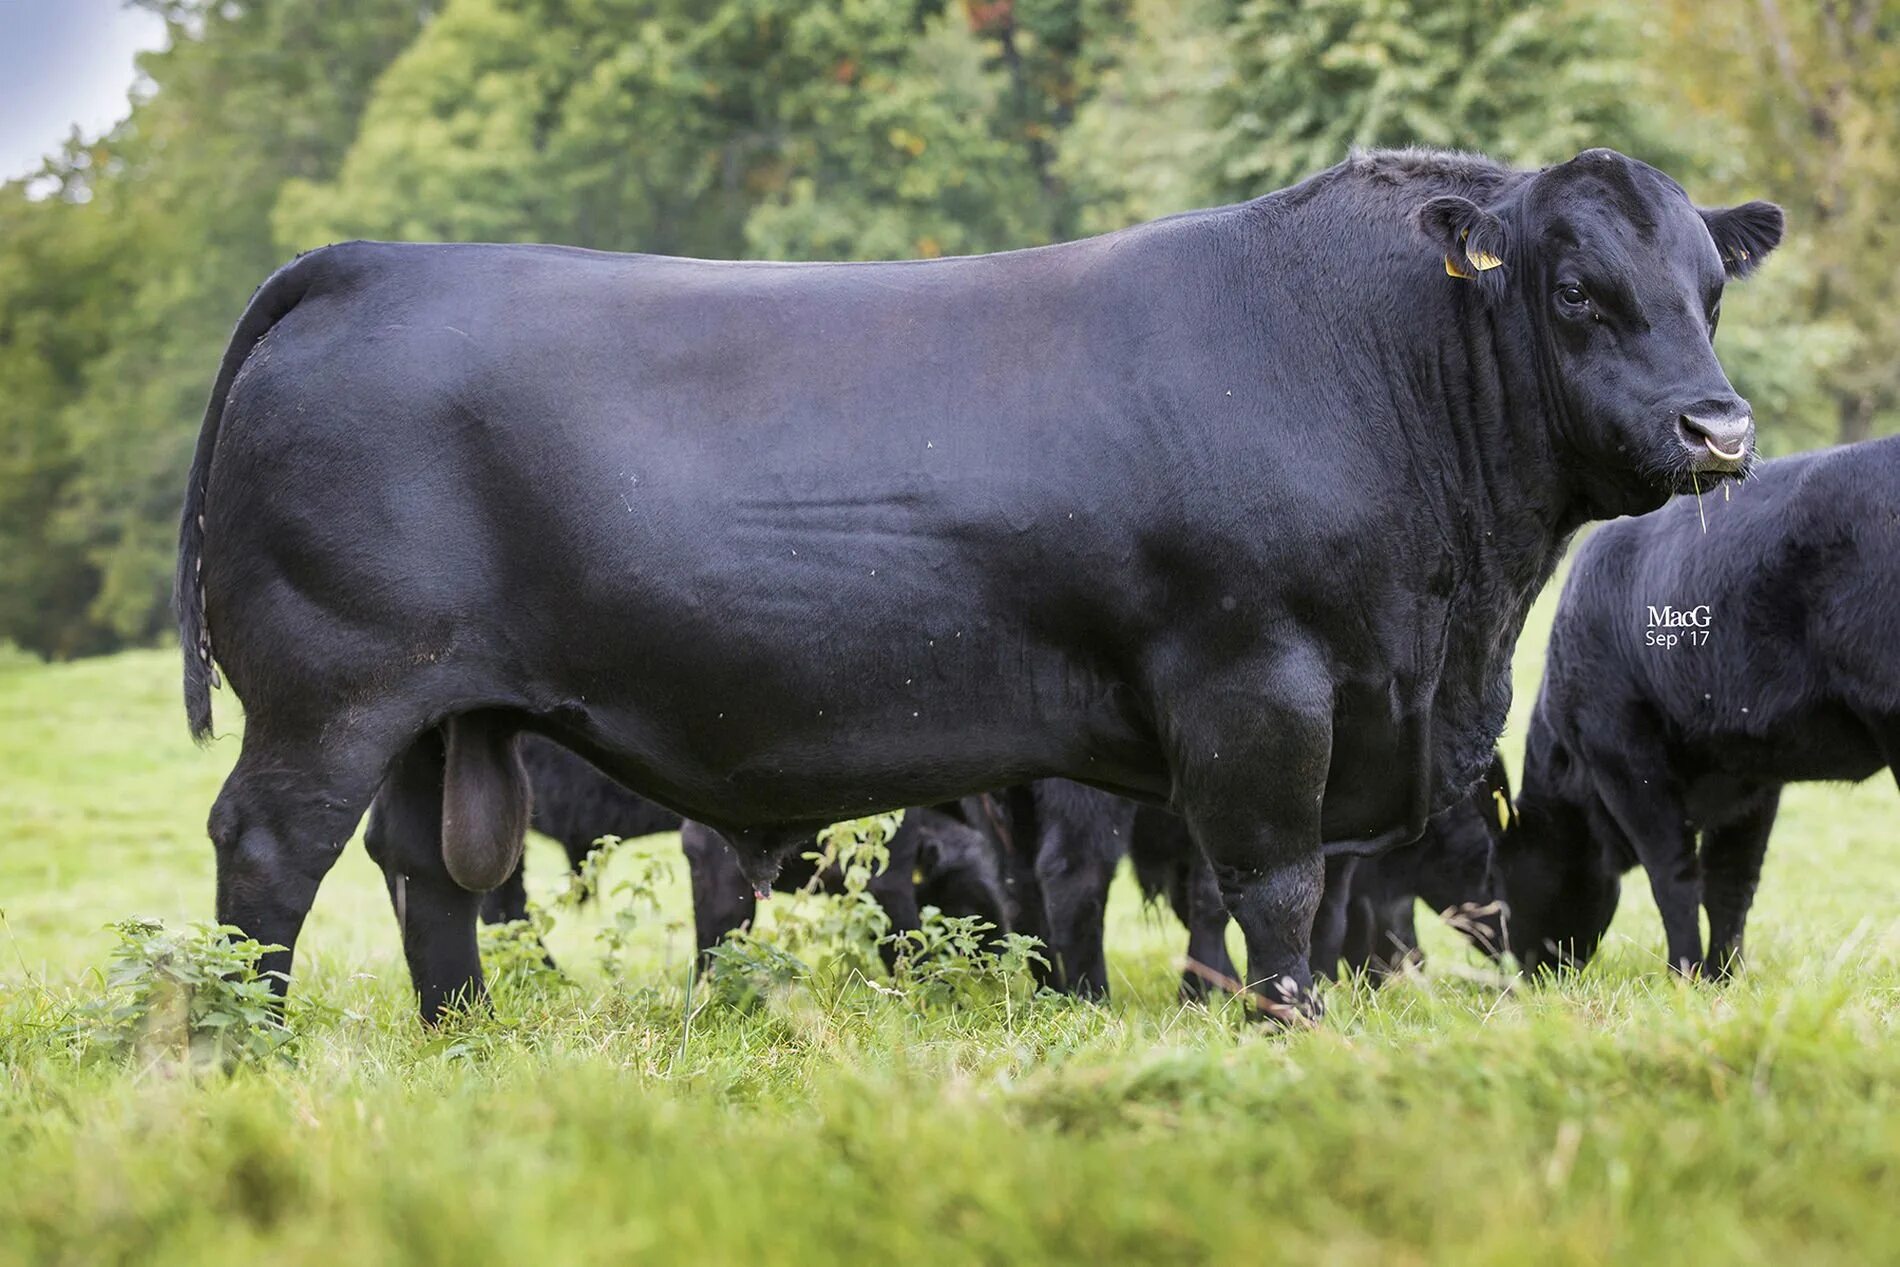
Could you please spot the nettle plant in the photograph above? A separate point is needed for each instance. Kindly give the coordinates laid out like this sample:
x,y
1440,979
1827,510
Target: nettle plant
x,y
957,960
832,943
515,953
190,998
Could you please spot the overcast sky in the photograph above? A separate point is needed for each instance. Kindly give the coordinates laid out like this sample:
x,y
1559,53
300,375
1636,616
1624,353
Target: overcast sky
x,y
64,62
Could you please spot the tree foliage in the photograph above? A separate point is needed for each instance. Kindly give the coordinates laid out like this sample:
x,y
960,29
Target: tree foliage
x,y
1260,93
131,274
858,129
1799,100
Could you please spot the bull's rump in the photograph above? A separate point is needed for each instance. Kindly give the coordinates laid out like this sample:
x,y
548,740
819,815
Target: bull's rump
x,y
756,526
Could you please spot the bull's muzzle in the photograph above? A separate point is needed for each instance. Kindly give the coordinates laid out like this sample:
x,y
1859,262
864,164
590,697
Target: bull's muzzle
x,y
1719,437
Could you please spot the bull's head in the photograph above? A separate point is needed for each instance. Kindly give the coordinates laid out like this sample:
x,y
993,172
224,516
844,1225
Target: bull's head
x,y
1618,278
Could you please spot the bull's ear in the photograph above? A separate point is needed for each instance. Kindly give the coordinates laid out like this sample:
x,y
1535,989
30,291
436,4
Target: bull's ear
x,y
1745,234
1471,238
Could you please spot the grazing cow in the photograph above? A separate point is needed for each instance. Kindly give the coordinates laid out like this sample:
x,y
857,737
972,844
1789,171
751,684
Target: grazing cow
x,y
1692,673
934,860
1060,843
1220,511
1452,869
1064,841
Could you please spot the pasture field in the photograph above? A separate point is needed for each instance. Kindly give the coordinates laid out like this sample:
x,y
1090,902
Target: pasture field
x,y
1455,1116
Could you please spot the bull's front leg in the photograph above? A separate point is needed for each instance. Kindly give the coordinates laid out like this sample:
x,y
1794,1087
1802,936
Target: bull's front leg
x,y
1250,779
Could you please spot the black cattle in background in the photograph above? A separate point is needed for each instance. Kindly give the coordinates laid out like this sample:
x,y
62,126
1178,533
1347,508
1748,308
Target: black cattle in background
x,y
1063,842
1452,869
935,860
1060,843
1225,509
1692,674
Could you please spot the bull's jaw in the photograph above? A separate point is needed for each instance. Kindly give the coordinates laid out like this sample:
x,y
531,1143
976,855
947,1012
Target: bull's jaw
x,y
1703,473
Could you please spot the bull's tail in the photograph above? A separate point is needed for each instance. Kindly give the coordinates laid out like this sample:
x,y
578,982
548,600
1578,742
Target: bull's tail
x,y
485,801
280,293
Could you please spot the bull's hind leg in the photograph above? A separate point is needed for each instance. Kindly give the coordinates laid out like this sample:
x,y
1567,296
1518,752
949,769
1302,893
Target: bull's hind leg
x,y
437,916
284,815
1731,868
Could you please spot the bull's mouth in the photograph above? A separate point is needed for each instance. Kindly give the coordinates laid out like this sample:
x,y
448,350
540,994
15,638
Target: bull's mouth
x,y
1700,477
1703,465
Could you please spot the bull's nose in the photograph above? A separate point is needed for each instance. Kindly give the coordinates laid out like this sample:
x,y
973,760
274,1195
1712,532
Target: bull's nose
x,y
1723,432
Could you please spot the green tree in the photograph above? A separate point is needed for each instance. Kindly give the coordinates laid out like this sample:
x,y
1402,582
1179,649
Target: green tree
x,y
863,129
1797,102
124,284
578,121
1270,91
1528,82
905,149
1142,144
66,263
857,129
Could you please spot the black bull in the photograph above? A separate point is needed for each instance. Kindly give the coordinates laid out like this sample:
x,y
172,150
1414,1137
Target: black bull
x,y
1240,510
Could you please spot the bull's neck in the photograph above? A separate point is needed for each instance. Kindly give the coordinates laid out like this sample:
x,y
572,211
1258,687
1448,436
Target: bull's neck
x,y
1485,424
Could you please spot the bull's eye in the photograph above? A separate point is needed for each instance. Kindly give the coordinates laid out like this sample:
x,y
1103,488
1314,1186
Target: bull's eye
x,y
1572,299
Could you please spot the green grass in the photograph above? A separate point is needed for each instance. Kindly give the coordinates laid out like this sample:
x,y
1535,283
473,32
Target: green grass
x,y
1455,1117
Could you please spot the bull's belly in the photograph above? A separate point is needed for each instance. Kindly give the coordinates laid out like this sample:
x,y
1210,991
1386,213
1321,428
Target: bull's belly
x,y
809,735
818,777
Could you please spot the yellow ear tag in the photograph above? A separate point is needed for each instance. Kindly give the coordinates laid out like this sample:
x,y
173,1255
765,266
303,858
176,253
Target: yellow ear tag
x,y
1483,261
1504,809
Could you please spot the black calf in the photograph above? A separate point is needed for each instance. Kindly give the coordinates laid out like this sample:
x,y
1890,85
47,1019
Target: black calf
x,y
1693,673
1062,842
1452,869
